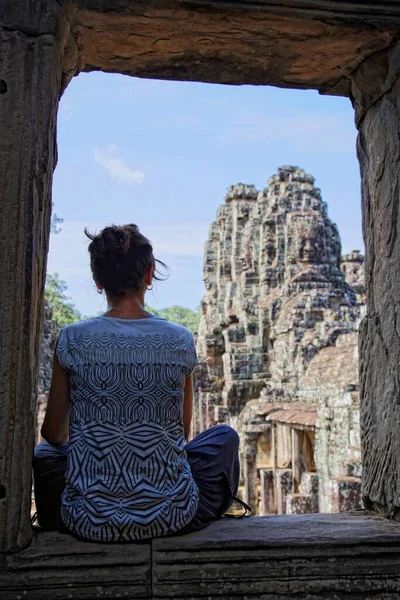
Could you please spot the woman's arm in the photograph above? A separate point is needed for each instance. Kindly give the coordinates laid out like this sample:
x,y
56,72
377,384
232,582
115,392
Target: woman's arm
x,y
56,421
187,405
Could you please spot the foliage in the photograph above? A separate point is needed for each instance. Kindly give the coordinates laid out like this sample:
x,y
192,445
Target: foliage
x,y
64,312
55,222
178,314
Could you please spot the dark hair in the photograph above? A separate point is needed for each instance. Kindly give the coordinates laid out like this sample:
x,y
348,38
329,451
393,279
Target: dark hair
x,y
120,257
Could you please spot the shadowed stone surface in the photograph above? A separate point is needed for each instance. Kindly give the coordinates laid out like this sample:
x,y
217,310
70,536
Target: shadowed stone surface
x,y
30,68
58,566
293,556
379,155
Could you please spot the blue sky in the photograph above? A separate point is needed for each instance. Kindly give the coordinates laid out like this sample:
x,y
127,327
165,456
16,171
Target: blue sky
x,y
161,155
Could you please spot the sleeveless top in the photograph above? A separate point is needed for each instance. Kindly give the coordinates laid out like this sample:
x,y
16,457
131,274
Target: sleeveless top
x,y
127,473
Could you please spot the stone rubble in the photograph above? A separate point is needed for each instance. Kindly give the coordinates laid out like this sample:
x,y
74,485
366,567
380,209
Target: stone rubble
x,y
278,336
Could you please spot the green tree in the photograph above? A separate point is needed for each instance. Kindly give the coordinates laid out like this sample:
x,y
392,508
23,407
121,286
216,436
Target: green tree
x,y
55,222
64,311
178,314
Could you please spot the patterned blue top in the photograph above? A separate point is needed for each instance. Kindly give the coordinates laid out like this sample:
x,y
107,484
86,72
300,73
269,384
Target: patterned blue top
x,y
127,476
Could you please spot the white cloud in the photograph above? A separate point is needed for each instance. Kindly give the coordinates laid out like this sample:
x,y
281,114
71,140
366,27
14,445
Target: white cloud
x,y
116,166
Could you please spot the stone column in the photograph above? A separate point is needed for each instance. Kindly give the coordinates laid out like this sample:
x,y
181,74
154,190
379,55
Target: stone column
x,y
32,36
284,483
376,95
267,485
250,470
296,459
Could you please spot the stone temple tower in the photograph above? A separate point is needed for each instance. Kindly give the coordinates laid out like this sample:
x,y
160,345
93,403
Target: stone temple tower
x,y
277,294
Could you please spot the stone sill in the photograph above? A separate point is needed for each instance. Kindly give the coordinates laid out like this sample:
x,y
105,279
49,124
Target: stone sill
x,y
317,556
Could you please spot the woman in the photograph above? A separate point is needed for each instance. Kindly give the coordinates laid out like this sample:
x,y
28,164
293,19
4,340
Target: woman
x,y
119,411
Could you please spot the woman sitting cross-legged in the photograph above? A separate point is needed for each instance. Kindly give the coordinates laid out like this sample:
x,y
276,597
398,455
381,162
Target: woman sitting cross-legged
x,y
114,465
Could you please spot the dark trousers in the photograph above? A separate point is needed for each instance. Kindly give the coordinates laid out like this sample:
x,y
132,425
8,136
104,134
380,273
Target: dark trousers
x,y
213,457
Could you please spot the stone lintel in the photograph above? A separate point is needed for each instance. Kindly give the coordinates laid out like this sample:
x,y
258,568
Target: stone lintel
x,y
305,45
315,556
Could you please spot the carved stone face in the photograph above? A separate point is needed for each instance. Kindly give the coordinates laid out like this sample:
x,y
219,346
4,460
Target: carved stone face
x,y
309,247
312,248
305,242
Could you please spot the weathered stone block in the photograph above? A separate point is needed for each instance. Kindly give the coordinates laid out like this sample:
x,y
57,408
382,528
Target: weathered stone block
x,y
349,494
267,492
299,504
59,567
293,556
284,483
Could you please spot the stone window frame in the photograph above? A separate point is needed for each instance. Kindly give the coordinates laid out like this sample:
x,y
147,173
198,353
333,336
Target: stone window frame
x,y
342,48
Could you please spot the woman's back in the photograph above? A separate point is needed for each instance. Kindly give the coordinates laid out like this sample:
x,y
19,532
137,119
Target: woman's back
x,y
127,476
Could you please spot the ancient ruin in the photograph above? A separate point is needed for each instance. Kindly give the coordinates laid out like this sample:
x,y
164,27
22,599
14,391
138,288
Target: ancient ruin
x,y
349,48
277,345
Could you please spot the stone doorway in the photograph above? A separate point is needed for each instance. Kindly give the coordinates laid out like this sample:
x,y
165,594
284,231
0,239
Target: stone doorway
x,y
347,49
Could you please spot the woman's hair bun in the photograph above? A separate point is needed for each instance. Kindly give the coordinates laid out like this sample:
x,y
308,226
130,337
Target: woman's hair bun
x,y
112,239
116,240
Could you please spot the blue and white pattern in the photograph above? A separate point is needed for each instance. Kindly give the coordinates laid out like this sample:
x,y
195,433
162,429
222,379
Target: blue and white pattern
x,y
127,477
